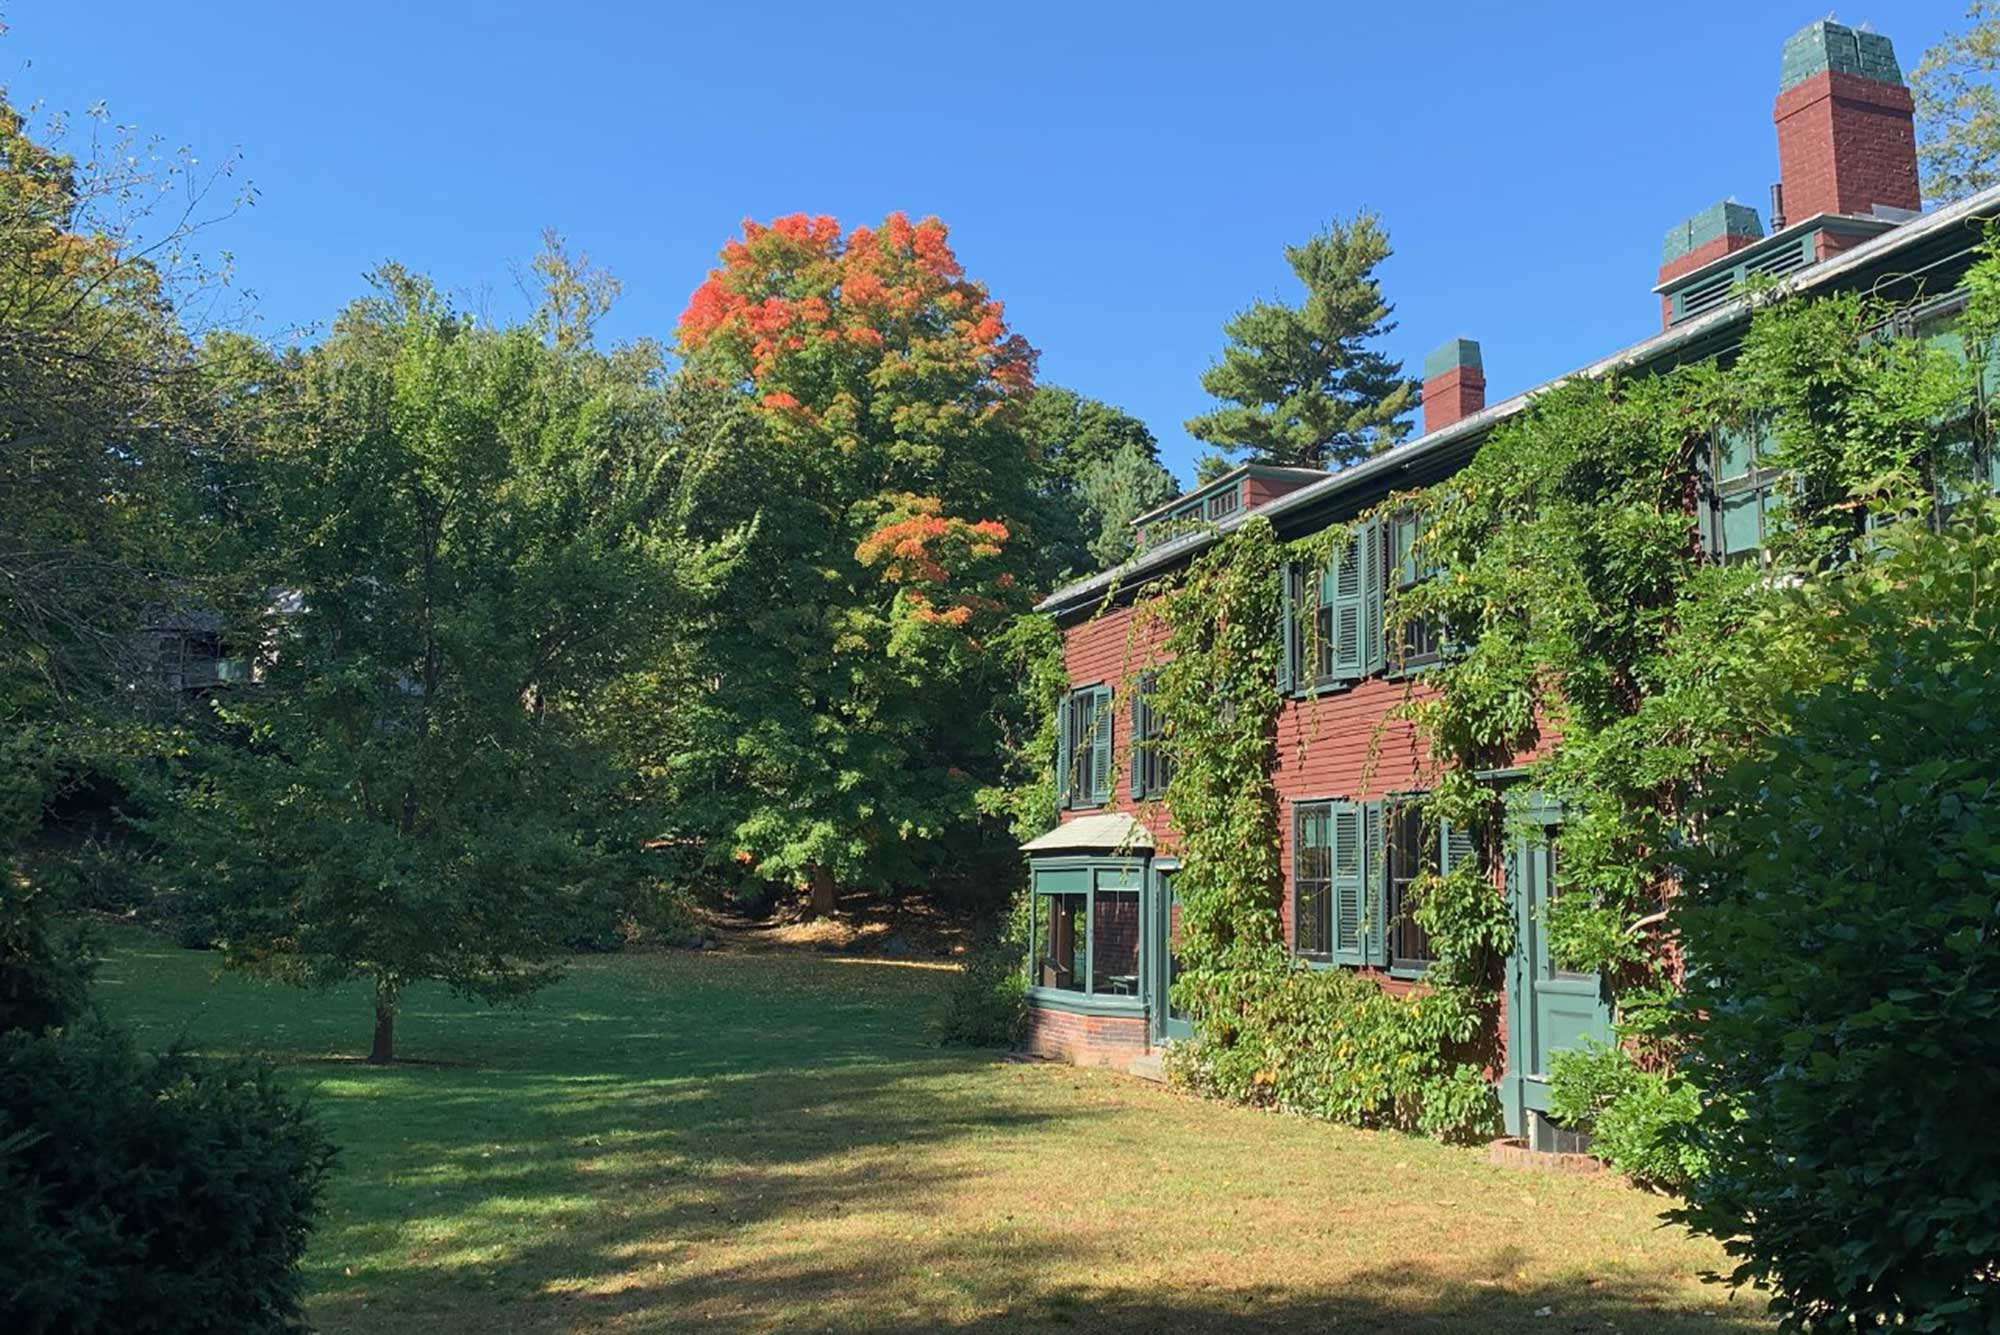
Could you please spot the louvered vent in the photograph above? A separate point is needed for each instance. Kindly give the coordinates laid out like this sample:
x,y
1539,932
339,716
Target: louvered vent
x,y
1716,289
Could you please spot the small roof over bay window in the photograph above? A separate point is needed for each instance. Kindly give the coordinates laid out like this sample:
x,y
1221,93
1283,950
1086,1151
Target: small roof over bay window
x,y
1110,831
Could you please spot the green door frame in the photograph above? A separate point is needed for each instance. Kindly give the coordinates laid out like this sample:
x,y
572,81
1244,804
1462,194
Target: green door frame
x,y
1163,1026
1534,984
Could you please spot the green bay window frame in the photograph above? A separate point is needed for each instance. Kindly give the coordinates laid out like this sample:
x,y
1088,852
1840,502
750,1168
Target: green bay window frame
x,y
1086,933
1083,748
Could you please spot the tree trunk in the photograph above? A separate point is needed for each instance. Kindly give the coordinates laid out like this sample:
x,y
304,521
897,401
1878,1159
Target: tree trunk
x,y
384,1050
821,903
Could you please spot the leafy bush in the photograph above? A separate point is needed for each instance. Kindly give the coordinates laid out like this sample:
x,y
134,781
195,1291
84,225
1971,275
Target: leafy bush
x,y
1844,1004
44,980
149,1193
104,873
1639,1121
1331,1044
986,1004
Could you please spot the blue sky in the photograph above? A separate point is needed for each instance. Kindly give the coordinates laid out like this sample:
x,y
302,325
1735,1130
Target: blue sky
x,y
1123,177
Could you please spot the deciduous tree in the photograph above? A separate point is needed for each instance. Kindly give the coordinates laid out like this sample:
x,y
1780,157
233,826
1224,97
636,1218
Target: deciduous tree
x,y
471,533
1100,468
845,734
1958,108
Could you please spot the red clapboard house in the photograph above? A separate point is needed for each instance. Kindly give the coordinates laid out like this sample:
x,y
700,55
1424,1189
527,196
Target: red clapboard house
x,y
1846,215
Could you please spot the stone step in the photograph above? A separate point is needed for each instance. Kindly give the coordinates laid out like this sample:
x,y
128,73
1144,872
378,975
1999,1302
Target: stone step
x,y
1151,1066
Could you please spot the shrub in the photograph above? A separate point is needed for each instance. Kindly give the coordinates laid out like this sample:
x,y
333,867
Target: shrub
x,y
149,1193
44,980
1332,1044
1640,1122
1844,1001
986,1004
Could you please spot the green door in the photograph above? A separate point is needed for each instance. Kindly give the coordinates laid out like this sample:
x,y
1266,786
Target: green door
x,y
1163,948
1548,1008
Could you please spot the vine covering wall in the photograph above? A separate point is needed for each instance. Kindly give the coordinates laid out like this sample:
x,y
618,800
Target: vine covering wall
x,y
1575,587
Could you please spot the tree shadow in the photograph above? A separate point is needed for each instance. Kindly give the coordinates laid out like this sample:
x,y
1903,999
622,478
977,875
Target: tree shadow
x,y
750,1145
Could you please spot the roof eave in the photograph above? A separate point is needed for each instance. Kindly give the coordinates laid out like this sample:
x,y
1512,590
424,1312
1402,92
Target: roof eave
x,y
1687,332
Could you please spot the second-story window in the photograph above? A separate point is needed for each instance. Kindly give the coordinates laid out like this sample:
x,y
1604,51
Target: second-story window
x,y
1417,642
1083,747
1333,631
1152,766
1225,502
1746,492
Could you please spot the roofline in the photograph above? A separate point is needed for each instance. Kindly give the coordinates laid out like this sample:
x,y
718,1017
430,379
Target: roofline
x,y
1250,469
1819,222
1398,457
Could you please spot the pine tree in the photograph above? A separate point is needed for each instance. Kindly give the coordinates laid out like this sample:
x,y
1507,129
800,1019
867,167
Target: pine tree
x,y
1303,386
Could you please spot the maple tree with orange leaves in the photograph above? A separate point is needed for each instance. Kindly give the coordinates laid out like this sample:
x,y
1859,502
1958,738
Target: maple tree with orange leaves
x,y
888,394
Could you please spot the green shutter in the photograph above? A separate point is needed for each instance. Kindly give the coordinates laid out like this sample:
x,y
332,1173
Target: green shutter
x,y
1350,883
1065,763
1455,846
1344,591
1375,875
1299,817
1374,575
1100,702
1353,590
1288,631
1139,706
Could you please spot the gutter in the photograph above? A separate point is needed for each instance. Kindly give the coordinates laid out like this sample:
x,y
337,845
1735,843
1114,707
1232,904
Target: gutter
x,y
1154,559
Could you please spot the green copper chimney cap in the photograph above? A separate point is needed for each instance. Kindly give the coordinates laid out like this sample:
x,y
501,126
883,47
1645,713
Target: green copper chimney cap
x,y
1454,354
1711,224
1826,45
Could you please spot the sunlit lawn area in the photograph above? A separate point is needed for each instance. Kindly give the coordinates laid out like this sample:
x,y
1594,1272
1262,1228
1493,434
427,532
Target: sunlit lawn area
x,y
745,1142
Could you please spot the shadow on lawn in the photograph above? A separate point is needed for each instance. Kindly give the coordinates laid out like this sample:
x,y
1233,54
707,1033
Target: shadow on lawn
x,y
748,1145
847,1299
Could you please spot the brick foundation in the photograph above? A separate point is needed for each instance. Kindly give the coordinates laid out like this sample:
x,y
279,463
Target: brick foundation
x,y
1085,1040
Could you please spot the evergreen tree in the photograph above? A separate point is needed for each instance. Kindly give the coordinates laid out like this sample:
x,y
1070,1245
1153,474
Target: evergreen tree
x,y
1303,385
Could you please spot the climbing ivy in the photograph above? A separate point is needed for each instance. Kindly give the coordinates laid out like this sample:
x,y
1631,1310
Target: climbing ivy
x,y
1272,1029
1579,603
1575,579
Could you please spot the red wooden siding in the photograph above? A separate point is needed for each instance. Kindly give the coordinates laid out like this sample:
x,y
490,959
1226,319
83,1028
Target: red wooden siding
x,y
1338,745
1113,649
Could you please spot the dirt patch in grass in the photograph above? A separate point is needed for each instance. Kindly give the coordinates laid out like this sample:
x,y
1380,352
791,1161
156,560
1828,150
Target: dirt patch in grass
x,y
868,925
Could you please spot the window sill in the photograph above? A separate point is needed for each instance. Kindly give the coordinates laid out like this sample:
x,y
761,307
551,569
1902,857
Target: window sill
x,y
1319,688
1085,1003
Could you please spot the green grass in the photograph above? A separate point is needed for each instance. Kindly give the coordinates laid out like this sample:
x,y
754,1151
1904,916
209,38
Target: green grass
x,y
738,1142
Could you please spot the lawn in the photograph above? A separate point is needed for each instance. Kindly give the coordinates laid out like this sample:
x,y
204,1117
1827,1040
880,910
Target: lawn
x,y
751,1142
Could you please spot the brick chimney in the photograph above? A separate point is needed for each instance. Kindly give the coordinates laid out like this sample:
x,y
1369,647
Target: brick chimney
x,y
1454,384
1846,131
1716,231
